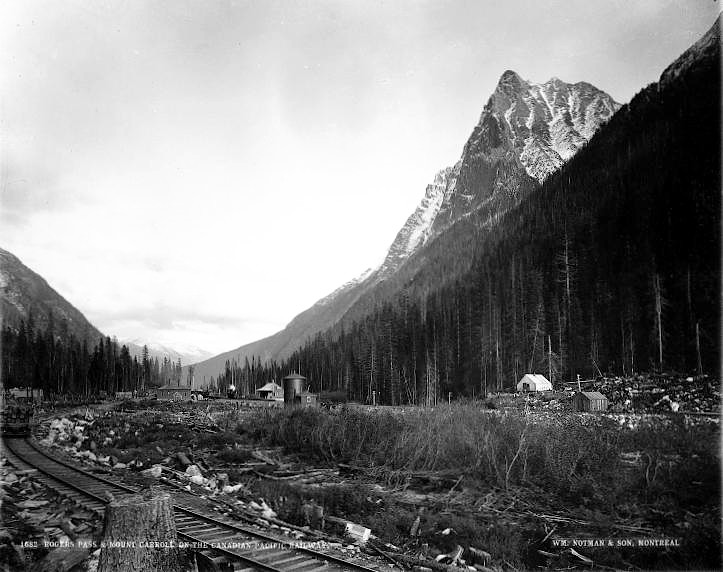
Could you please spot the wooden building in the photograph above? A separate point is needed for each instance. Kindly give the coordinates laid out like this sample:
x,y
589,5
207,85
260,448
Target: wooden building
x,y
306,399
589,401
25,394
271,390
174,392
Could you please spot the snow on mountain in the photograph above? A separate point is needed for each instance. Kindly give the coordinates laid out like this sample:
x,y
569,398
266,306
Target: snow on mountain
x,y
187,353
326,300
540,126
418,227
548,123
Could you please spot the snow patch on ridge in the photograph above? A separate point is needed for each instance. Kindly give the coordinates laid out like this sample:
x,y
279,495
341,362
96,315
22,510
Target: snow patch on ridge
x,y
425,214
346,286
418,228
548,123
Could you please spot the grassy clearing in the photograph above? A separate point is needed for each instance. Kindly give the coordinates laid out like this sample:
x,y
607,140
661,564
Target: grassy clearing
x,y
660,472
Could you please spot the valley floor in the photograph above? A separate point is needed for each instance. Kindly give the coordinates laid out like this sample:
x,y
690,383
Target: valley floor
x,y
451,488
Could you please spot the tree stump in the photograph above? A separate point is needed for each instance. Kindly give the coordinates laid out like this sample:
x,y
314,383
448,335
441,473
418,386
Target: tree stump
x,y
140,534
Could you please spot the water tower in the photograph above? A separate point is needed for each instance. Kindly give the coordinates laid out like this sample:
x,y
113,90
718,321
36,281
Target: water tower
x,y
294,385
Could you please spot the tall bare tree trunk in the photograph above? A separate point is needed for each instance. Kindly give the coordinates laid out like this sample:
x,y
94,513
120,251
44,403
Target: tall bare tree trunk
x,y
622,342
549,358
697,348
498,361
659,317
393,386
140,520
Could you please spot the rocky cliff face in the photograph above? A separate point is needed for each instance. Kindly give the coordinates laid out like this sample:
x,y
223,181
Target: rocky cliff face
x,y
418,228
526,132
547,123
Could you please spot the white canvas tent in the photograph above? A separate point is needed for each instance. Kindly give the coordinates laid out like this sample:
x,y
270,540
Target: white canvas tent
x,y
534,382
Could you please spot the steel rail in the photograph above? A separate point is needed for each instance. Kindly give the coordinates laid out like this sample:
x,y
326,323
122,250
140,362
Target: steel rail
x,y
289,563
187,537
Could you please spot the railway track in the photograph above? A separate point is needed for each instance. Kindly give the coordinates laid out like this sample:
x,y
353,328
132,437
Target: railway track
x,y
223,544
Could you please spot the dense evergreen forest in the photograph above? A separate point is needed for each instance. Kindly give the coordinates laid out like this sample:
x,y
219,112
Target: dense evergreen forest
x,y
59,363
612,266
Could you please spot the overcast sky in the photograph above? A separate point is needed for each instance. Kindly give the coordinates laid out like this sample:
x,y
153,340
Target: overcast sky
x,y
196,172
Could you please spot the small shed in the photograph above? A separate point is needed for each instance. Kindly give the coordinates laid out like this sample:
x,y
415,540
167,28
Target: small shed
x,y
589,401
271,390
26,394
534,382
177,392
306,399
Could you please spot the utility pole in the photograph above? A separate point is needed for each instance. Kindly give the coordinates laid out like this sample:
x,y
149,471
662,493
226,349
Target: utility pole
x,y
549,358
697,348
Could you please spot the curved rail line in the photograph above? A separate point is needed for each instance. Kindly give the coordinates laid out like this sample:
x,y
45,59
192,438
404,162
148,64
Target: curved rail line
x,y
224,543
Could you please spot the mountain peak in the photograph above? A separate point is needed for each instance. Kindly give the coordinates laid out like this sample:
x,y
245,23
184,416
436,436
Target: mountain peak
x,y
554,81
510,79
545,124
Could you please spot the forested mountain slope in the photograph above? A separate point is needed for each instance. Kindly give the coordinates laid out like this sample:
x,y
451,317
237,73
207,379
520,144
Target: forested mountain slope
x,y
25,295
525,132
614,264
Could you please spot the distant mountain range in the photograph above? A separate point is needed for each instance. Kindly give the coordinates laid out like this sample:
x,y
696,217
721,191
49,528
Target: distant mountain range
x,y
188,354
525,132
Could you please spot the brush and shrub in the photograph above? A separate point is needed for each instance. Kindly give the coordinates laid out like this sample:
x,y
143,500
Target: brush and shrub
x,y
660,471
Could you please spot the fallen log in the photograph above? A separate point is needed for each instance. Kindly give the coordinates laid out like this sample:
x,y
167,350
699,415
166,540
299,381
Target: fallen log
x,y
386,555
253,517
265,458
411,562
345,469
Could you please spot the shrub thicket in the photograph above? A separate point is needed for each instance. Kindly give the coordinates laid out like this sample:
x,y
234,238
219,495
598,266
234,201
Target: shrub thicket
x,y
662,471
576,456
